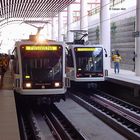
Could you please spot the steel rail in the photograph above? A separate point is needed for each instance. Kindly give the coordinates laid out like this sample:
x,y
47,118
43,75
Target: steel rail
x,y
120,123
131,116
61,124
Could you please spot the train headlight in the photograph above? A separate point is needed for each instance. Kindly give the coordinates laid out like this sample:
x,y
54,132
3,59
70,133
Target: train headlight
x,y
57,84
79,69
28,85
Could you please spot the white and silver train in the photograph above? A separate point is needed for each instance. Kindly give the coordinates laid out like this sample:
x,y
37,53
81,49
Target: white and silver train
x,y
39,68
85,63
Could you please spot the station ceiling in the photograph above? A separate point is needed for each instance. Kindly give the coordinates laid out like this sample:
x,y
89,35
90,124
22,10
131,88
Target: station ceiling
x,y
32,8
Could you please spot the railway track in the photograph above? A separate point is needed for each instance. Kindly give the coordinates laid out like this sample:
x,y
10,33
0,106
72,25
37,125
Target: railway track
x,y
121,118
117,101
41,122
62,125
24,120
132,113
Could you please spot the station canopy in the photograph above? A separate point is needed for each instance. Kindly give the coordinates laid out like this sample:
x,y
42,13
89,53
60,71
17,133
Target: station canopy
x,y
32,10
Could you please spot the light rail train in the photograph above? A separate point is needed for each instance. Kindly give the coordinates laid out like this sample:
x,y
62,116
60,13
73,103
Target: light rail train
x,y
39,69
85,63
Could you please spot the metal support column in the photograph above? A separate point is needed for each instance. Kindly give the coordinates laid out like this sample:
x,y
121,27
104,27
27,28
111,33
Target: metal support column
x,y
60,27
52,30
105,30
83,15
69,24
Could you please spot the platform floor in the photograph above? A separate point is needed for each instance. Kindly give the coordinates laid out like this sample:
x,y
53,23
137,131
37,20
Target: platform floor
x,y
89,125
8,118
124,75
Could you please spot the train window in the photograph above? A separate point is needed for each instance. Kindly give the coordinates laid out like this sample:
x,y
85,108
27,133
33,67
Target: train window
x,y
89,61
42,65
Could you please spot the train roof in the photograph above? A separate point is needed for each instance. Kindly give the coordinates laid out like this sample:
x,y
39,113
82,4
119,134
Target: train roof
x,y
84,45
33,41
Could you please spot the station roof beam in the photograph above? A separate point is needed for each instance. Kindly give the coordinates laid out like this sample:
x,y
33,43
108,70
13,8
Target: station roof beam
x,y
32,8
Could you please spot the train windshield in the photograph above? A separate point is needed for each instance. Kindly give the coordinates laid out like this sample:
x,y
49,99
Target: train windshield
x,y
89,61
42,64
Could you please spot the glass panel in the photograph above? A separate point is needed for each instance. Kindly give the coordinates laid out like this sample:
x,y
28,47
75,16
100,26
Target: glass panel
x,y
89,61
42,65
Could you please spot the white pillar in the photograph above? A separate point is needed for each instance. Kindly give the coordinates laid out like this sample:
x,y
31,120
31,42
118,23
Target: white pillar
x,y
49,26
83,15
137,60
105,31
60,26
52,30
69,23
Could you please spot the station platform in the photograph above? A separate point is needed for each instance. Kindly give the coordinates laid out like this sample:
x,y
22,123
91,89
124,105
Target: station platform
x,y
125,77
8,118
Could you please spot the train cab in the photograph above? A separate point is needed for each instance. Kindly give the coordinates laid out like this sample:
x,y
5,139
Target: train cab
x,y
39,68
85,63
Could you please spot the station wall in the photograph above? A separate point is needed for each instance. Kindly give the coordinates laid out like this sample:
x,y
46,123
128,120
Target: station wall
x,y
122,39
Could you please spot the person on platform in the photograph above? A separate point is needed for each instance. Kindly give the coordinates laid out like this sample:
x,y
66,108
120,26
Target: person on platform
x,y
116,58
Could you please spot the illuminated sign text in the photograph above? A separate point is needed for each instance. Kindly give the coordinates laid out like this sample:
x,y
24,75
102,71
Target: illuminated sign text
x,y
41,48
85,49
